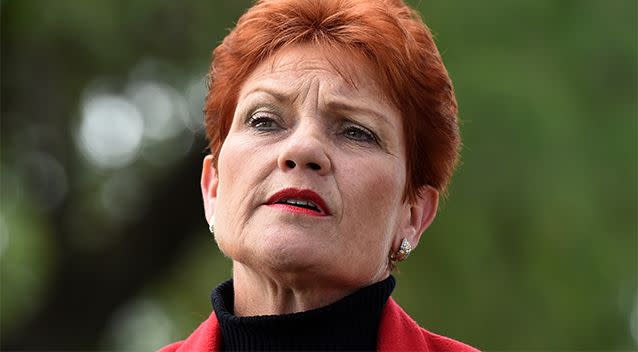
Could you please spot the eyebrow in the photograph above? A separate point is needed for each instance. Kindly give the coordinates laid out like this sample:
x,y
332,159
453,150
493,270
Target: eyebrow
x,y
333,105
279,96
345,107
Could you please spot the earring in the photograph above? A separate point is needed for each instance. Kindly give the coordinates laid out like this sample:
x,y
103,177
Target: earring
x,y
211,224
403,252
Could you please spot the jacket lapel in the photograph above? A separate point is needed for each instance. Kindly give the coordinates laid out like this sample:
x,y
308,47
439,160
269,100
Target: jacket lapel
x,y
399,332
206,338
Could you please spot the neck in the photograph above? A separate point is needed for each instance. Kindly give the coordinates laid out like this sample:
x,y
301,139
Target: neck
x,y
350,324
259,294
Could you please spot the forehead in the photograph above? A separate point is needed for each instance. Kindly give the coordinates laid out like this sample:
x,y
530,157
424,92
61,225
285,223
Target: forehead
x,y
339,72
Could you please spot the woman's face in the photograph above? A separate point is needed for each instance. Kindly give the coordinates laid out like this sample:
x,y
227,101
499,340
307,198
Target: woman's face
x,y
311,175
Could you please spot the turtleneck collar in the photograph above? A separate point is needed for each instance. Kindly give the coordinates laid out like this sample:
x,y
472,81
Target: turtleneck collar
x,y
348,324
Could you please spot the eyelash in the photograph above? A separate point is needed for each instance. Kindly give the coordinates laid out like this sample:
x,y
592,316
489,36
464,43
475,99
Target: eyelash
x,y
258,119
368,136
263,122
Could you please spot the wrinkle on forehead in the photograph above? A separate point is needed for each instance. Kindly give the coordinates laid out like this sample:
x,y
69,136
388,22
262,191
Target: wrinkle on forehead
x,y
353,69
313,87
309,61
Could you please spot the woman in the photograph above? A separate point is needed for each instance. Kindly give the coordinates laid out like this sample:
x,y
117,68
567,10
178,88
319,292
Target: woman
x,y
333,130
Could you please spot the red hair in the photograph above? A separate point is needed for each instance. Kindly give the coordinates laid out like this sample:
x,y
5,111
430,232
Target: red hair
x,y
388,34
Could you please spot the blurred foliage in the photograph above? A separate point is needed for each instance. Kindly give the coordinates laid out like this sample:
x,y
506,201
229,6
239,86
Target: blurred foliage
x,y
535,249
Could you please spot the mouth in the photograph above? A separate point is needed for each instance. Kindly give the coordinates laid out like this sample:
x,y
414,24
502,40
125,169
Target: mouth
x,y
302,201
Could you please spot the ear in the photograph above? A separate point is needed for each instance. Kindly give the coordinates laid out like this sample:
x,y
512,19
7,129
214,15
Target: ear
x,y
419,215
209,184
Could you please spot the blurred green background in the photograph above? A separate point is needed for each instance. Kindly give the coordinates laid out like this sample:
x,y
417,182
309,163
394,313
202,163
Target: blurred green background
x,y
103,242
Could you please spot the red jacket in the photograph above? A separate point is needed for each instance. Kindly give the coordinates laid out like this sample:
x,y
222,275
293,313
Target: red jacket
x,y
397,332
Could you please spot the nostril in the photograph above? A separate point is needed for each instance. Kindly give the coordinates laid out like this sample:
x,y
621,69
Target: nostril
x,y
314,166
291,164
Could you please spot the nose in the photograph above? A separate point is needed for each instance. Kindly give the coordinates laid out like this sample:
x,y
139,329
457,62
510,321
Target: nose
x,y
305,150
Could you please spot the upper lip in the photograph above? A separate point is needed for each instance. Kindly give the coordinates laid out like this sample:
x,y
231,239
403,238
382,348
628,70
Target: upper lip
x,y
299,194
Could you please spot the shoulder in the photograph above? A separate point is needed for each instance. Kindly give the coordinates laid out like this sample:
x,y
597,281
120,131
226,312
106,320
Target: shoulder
x,y
399,332
205,338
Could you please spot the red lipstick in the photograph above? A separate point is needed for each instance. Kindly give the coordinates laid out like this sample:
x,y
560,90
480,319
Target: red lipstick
x,y
302,201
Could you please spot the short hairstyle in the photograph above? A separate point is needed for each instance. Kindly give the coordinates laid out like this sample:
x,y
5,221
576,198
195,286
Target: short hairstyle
x,y
388,34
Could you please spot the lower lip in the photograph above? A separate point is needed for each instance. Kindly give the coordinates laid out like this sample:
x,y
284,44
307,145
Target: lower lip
x,y
294,209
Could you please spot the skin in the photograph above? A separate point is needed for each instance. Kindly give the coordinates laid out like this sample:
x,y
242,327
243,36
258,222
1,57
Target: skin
x,y
347,145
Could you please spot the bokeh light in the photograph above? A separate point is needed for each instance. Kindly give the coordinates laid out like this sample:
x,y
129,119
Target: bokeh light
x,y
111,131
163,108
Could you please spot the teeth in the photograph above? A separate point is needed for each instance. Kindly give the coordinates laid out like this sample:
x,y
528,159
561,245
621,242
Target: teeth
x,y
301,203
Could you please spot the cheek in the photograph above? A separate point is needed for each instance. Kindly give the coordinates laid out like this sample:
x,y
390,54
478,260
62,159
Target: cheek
x,y
239,167
374,186
372,198
239,171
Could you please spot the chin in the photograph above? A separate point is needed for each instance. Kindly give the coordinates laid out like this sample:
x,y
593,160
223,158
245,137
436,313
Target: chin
x,y
289,254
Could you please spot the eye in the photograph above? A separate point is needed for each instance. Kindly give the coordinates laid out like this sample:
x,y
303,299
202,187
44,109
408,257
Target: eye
x,y
263,122
359,134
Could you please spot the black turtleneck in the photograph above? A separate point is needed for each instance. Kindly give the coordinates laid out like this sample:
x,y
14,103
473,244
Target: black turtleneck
x,y
350,324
